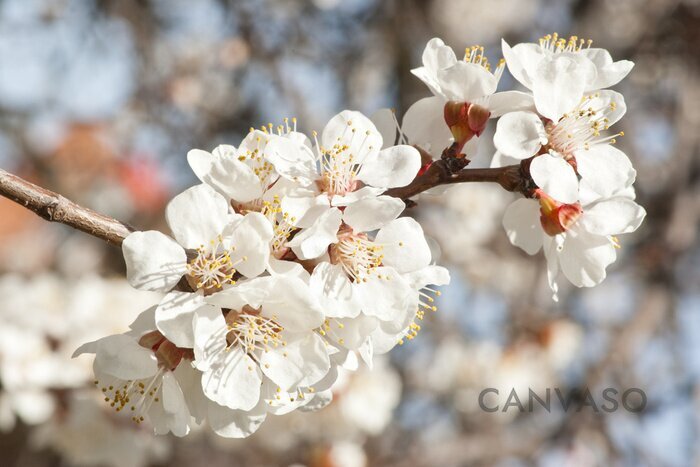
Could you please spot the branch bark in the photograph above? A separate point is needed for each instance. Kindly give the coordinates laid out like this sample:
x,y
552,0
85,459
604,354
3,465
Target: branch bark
x,y
55,208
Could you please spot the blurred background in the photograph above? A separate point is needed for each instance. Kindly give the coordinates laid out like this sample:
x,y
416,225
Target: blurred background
x,y
100,100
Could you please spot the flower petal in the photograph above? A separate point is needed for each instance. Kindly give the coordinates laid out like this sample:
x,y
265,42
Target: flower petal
x,y
392,167
354,130
235,423
175,314
197,215
584,256
226,174
293,305
353,196
522,61
429,275
251,238
466,82
556,177
424,125
559,83
613,216
372,213
521,222
386,298
233,380
609,73
121,356
292,159
302,362
153,260
519,134
314,241
501,103
331,285
175,407
303,211
604,170
403,245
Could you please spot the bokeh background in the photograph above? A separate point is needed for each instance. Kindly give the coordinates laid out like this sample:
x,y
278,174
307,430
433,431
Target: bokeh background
x,y
100,100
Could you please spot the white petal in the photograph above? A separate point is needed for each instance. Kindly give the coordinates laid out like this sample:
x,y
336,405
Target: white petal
x,y
334,291
153,260
234,381
175,314
613,216
424,125
302,362
314,241
522,61
522,224
501,103
604,169
559,83
556,177
364,140
251,238
519,134
429,275
385,121
293,305
226,174
175,406
246,292
372,213
351,333
235,423
353,196
437,55
501,160
145,321
122,356
403,245
303,211
209,337
392,167
197,215
609,73
384,340
584,257
292,159
552,257
612,104
466,82
386,298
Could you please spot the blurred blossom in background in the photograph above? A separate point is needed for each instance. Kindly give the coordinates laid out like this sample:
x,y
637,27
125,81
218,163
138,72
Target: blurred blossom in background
x,y
100,101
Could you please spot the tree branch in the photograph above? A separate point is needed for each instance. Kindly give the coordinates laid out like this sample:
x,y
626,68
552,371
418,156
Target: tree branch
x,y
55,208
511,178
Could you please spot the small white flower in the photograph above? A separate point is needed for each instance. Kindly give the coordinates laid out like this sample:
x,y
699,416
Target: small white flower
x,y
578,238
559,71
468,81
267,333
138,374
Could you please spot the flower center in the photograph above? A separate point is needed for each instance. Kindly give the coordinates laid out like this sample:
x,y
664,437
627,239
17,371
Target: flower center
x,y
581,128
137,396
338,165
555,44
358,256
282,225
252,332
213,266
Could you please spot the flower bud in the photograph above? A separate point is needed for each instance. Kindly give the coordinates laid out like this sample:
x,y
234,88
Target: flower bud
x,y
465,121
556,217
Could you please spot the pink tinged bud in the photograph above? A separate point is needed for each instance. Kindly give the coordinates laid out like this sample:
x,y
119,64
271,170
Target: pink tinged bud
x,y
556,217
465,121
478,117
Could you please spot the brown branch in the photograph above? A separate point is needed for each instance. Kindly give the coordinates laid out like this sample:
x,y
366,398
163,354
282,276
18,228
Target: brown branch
x,y
511,178
55,208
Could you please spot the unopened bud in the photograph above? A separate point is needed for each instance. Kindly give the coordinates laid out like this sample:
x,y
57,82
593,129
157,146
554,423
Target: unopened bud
x,y
556,217
465,121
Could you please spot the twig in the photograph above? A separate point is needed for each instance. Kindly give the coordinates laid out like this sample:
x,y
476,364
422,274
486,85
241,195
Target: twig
x,y
55,208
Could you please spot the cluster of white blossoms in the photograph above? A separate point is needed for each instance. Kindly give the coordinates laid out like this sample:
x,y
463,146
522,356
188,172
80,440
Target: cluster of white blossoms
x,y
289,260
285,263
580,196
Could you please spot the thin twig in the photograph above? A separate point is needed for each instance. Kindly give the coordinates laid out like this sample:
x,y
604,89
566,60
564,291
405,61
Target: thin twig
x,y
55,208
